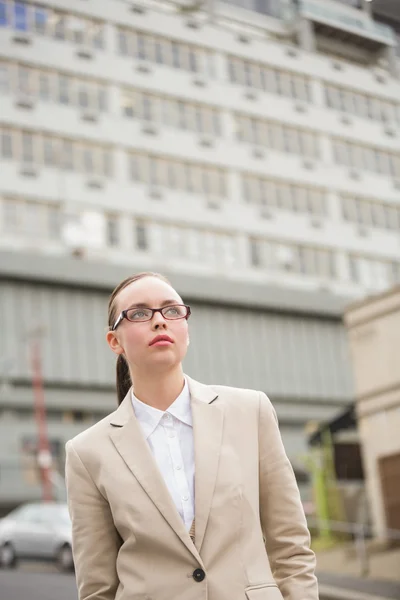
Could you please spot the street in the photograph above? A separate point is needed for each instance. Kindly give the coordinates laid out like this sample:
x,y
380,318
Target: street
x,y
40,584
44,582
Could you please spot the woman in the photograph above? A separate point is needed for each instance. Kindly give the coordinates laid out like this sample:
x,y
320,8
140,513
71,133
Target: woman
x,y
185,491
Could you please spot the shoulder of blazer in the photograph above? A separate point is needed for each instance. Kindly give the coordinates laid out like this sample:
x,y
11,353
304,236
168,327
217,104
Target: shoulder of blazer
x,y
93,433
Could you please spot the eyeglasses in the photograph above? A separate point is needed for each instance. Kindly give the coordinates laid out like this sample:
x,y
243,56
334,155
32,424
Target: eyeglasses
x,y
139,315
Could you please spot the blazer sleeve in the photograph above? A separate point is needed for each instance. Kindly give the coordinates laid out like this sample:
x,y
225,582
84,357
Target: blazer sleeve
x,y
95,540
281,511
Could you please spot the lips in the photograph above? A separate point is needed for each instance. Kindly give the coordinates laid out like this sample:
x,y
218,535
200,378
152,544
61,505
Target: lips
x,y
161,338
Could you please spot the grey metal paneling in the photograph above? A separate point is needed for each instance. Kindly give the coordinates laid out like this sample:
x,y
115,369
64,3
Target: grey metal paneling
x,y
285,355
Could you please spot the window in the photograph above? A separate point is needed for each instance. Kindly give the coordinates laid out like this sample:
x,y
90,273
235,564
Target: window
x,y
269,79
182,175
67,155
162,51
27,147
4,78
40,20
4,20
112,230
361,105
21,16
141,236
7,148
10,215
63,89
44,85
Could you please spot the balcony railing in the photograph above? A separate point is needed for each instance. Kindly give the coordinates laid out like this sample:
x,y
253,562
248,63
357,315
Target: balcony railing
x,y
347,19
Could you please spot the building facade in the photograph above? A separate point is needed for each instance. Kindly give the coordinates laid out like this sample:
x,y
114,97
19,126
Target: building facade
x,y
250,150
374,334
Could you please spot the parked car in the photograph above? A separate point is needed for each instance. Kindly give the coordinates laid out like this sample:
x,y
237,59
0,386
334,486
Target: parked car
x,y
37,531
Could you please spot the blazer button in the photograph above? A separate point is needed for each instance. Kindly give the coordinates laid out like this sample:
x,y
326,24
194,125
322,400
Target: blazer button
x,y
198,575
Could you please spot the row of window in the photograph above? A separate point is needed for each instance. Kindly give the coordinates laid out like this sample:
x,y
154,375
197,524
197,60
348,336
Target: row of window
x,y
269,79
370,213
361,104
53,23
293,258
35,148
374,273
186,242
357,156
31,218
172,112
278,136
52,86
60,25
165,51
181,175
285,196
44,220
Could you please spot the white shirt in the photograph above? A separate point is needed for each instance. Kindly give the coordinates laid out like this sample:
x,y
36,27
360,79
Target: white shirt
x,y
170,437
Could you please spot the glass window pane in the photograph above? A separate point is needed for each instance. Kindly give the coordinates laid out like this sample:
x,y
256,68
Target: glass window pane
x,y
21,16
6,144
63,89
4,79
102,98
53,222
40,20
83,95
67,155
107,162
49,151
123,42
44,84
59,26
27,147
112,230
142,242
4,20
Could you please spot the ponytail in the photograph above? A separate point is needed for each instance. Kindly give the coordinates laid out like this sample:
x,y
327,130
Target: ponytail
x,y
123,378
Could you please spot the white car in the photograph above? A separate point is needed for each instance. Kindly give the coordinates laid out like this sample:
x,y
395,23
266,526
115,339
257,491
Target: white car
x,y
37,531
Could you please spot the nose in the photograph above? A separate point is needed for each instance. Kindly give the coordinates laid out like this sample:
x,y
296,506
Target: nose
x,y
158,321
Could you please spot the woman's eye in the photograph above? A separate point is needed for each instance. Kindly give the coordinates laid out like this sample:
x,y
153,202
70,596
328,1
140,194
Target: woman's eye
x,y
138,314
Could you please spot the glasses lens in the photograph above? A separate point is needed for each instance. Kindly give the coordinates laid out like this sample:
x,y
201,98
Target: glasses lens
x,y
138,314
178,311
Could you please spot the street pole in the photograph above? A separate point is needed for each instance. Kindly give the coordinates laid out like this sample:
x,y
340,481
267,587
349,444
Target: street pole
x,y
44,455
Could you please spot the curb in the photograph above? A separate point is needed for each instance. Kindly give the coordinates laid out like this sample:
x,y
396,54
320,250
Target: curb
x,y
330,592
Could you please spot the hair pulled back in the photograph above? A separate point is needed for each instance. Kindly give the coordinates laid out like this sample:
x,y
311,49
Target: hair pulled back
x,y
123,378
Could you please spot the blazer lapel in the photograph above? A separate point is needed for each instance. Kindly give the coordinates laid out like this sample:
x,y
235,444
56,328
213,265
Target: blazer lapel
x,y
208,418
129,441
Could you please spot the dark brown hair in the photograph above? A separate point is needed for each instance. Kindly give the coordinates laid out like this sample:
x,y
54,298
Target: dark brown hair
x,y
123,378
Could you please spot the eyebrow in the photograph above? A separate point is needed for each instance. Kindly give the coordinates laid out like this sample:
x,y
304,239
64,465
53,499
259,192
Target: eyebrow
x,y
144,305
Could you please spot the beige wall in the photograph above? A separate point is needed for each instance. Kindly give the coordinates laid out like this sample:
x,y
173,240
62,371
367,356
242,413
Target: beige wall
x,y
374,336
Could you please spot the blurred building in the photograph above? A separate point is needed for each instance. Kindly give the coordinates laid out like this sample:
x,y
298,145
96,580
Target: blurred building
x,y
374,334
249,149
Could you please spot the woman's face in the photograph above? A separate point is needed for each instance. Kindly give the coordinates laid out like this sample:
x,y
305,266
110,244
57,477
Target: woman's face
x,y
134,340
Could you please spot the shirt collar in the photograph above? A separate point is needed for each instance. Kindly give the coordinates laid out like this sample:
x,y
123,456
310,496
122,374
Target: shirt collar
x,y
149,417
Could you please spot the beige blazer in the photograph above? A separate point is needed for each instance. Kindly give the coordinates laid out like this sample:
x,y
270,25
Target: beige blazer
x,y
251,538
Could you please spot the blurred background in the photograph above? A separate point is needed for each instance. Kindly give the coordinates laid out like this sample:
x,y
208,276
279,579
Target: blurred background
x,y
250,151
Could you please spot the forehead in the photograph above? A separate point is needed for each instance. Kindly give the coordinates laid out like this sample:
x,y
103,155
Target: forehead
x,y
150,291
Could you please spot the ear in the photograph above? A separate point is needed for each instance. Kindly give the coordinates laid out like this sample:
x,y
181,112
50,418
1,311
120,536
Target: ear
x,y
113,342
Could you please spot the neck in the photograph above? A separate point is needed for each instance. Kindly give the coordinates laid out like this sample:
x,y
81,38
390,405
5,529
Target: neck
x,y
160,390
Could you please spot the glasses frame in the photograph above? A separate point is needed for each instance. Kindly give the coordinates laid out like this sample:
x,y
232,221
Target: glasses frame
x,y
123,314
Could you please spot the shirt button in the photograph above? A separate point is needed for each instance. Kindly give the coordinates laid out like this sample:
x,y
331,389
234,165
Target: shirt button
x,y
178,467
185,498
171,434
